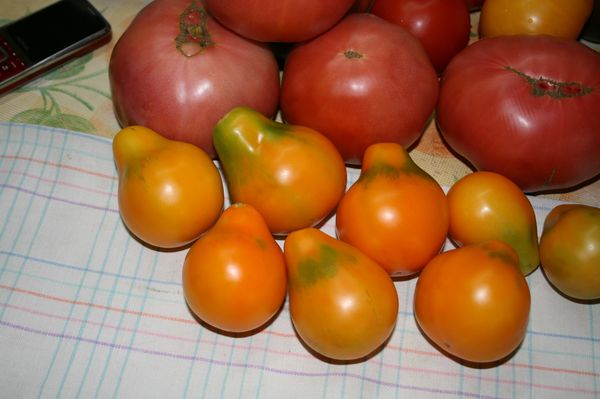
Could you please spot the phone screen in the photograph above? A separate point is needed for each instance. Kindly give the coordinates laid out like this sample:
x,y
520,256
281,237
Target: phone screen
x,y
58,26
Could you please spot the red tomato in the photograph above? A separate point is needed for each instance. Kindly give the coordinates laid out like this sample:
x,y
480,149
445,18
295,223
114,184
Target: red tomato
x,y
234,276
473,302
442,26
181,91
548,17
364,81
279,20
526,107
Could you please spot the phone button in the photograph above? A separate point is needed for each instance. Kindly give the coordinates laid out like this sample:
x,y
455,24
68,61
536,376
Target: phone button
x,y
10,63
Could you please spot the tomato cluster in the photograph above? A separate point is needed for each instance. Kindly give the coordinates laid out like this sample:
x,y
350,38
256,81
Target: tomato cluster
x,y
357,89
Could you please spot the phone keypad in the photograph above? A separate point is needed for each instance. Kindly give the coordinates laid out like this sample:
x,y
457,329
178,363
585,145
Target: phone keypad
x,y
10,63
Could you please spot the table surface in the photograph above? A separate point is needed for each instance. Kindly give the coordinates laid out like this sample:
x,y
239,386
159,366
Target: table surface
x,y
85,310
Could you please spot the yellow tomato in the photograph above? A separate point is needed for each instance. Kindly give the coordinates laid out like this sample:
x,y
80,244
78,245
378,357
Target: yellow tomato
x,y
395,212
293,175
343,305
563,18
485,206
570,250
473,302
234,276
170,192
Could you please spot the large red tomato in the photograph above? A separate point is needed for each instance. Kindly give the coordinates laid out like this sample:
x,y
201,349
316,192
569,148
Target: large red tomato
x,y
442,26
279,20
364,81
178,86
526,107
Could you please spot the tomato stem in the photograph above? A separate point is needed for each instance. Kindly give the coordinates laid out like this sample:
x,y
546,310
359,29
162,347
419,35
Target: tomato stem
x,y
555,89
352,54
193,33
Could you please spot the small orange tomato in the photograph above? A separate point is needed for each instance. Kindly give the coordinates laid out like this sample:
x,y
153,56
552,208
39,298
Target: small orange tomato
x,y
395,212
293,175
538,17
485,206
342,304
473,302
570,250
170,192
234,276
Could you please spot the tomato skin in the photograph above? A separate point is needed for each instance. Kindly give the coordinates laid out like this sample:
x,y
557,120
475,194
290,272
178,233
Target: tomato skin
x,y
473,302
364,81
442,26
170,192
525,107
485,206
154,84
234,276
293,175
395,212
342,304
279,20
538,17
570,250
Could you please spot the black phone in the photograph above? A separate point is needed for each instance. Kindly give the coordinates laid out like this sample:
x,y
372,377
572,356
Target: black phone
x,y
48,38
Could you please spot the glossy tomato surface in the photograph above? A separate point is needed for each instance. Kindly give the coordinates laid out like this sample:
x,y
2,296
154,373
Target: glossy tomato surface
x,y
179,87
293,175
570,250
485,206
442,26
364,81
342,304
395,212
539,17
279,20
161,183
473,302
234,276
525,107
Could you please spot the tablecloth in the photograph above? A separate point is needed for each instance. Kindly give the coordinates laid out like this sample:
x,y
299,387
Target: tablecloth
x,y
87,311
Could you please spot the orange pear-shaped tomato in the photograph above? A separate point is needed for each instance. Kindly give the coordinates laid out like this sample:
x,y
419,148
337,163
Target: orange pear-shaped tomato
x,y
234,276
170,192
294,176
395,212
343,305
488,206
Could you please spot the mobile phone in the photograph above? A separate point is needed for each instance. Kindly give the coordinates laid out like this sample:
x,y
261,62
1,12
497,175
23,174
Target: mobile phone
x,y
48,38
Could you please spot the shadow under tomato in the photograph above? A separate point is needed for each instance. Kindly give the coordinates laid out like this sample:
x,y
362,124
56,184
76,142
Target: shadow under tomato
x,y
330,360
242,334
464,362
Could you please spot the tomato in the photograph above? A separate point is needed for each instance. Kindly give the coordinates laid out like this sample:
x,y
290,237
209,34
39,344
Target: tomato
x,y
485,206
547,17
525,107
278,20
473,302
234,276
364,81
442,26
395,212
180,86
343,305
570,250
293,175
170,192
